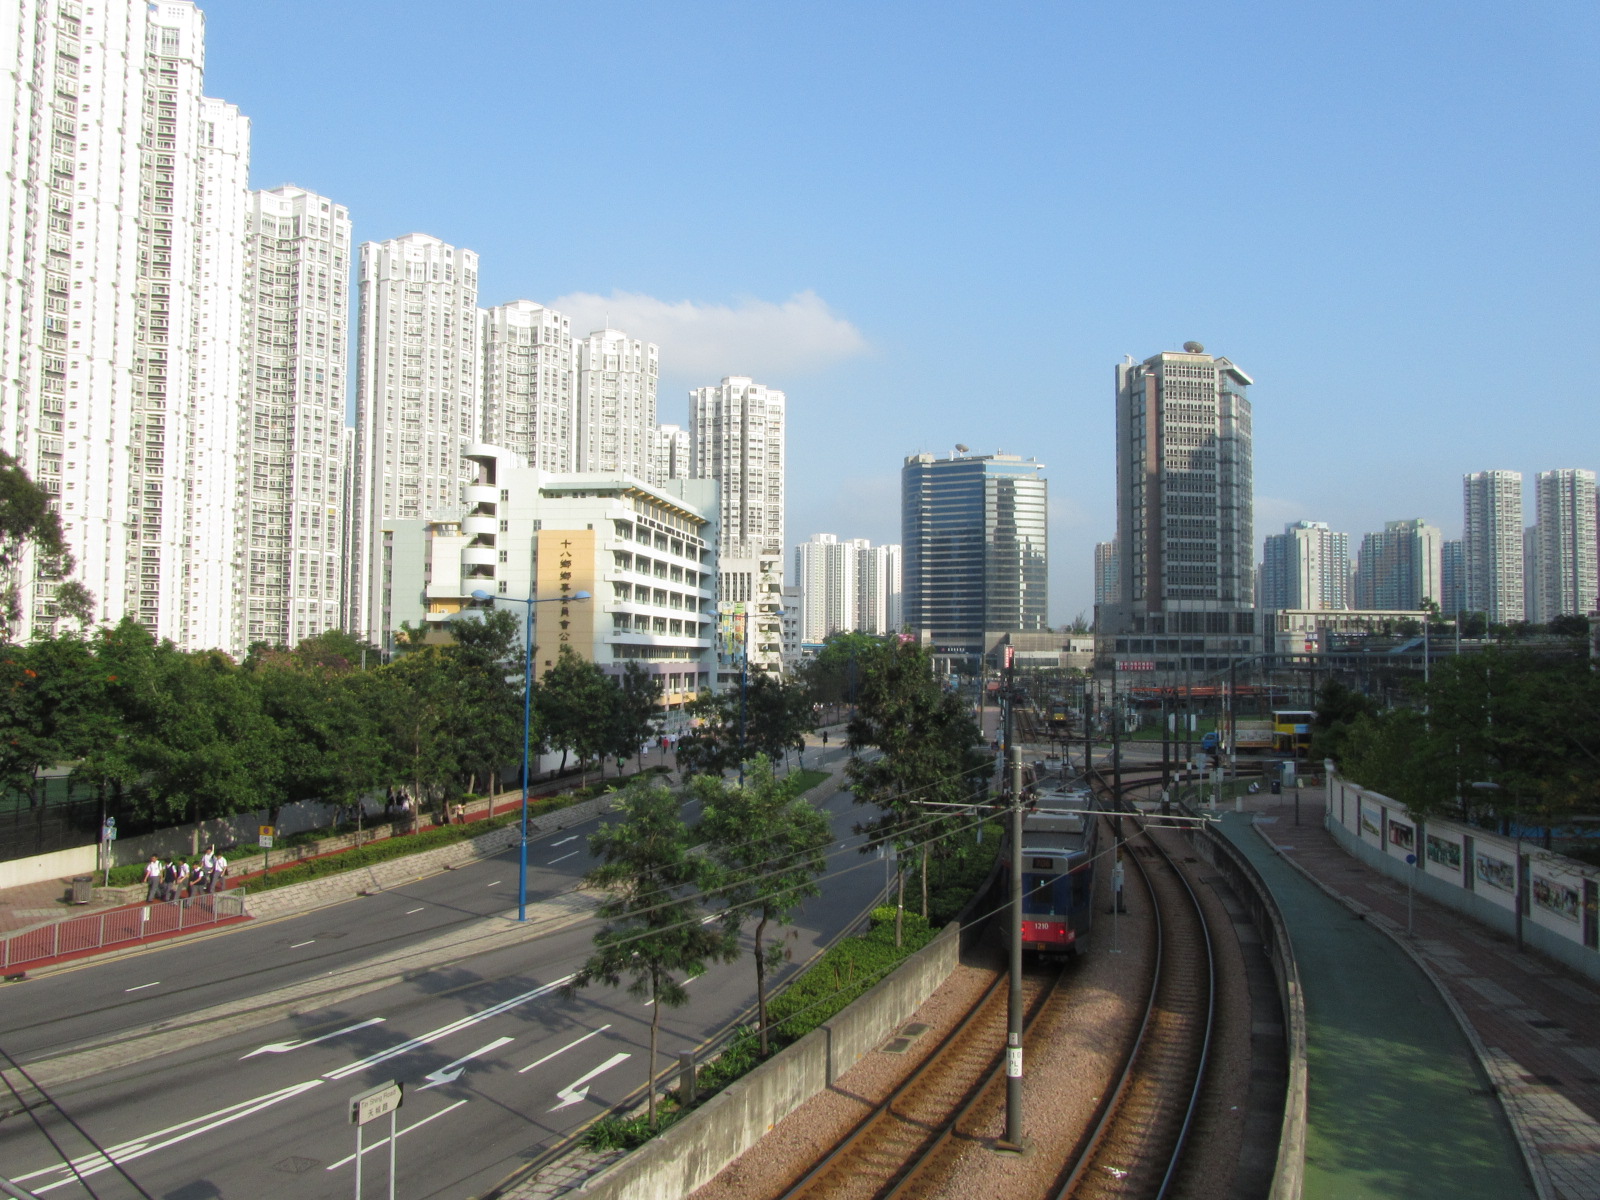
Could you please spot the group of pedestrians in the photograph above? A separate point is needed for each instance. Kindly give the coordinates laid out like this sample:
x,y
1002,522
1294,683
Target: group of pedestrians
x,y
179,878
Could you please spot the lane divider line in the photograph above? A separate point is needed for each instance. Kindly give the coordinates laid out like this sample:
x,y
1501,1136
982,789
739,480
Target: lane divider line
x,y
564,1049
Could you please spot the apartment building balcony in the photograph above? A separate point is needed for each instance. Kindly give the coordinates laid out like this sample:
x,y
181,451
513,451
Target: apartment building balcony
x,y
480,526
479,494
479,556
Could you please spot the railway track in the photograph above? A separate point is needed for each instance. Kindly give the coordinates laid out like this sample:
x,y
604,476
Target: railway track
x,y
1134,1146
896,1149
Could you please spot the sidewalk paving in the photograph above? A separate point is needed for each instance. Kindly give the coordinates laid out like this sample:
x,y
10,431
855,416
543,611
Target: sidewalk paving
x,y
1536,1023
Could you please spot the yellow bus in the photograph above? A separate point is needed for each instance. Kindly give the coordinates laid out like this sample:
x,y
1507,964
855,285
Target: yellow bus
x,y
1291,732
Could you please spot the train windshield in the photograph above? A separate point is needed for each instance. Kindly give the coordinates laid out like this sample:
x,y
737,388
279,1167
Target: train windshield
x,y
1046,896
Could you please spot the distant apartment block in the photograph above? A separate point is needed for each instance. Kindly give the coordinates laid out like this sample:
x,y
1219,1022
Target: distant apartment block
x,y
1493,535
292,488
1564,582
1399,568
529,397
616,411
849,586
1452,577
1306,567
1105,573
417,397
671,455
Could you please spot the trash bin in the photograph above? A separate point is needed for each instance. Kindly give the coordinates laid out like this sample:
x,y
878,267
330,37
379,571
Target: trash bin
x,y
82,889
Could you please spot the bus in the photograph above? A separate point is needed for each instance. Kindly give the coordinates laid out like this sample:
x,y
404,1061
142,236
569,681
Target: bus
x,y
1291,732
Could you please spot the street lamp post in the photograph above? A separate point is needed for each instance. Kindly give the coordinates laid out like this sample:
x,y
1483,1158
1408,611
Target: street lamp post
x,y
527,727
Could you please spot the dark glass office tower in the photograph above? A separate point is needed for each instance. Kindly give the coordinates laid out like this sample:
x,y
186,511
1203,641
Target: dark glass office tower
x,y
973,543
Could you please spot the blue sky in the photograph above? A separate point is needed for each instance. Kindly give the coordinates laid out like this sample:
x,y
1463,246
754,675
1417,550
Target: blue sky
x,y
935,223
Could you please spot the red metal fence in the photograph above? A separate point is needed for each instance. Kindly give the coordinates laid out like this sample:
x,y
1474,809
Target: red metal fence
x,y
95,931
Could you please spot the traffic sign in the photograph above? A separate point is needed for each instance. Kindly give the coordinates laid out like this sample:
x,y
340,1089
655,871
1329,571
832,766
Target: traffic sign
x,y
375,1102
264,836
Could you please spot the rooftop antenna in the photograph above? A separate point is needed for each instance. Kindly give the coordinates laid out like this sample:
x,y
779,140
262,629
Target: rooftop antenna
x,y
960,449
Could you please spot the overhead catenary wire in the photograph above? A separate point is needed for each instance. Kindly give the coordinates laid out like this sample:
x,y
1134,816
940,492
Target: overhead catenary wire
x,y
70,1120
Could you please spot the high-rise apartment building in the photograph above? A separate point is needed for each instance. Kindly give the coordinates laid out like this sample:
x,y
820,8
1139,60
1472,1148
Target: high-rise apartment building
x,y
849,586
824,569
974,541
879,588
1564,583
211,549
736,431
616,405
1185,514
123,188
1105,573
1452,577
736,435
417,397
528,388
671,455
292,535
1400,568
1493,533
1306,567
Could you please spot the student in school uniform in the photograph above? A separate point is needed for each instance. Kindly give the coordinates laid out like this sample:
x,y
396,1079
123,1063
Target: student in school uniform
x,y
208,862
219,873
152,880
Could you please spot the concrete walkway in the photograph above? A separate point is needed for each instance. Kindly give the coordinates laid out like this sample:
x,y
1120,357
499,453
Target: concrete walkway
x,y
1398,1106
1537,1024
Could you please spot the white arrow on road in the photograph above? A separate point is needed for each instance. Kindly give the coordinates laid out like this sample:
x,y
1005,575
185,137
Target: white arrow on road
x,y
576,1093
285,1047
452,1072
443,1031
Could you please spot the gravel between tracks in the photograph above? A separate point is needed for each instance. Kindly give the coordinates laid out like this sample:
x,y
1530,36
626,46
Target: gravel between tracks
x,y
1070,1062
1065,1073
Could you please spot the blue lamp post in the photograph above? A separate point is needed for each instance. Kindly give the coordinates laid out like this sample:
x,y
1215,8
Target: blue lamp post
x,y
527,728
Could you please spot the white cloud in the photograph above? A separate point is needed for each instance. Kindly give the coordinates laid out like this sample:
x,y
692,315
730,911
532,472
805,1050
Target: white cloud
x,y
707,341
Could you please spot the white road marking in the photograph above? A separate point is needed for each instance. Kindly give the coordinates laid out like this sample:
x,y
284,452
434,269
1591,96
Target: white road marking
x,y
564,1049
445,1030
398,1135
309,942
285,1047
563,858
686,983
142,986
573,1094
564,841
93,1164
409,911
452,1071
496,883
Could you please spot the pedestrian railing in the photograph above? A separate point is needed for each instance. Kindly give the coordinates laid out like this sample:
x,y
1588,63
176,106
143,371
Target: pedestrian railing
x,y
94,931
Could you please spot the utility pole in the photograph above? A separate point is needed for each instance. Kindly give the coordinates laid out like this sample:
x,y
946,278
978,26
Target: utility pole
x,y
1116,738
1013,1138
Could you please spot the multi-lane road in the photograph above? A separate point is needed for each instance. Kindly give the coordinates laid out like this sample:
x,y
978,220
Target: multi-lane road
x,y
223,1066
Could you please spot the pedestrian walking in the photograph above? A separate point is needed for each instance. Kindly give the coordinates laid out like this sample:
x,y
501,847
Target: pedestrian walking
x,y
152,880
180,890
208,862
219,873
169,879
824,737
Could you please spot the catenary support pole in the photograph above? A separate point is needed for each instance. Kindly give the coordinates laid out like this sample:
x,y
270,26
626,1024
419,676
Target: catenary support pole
x,y
1014,1008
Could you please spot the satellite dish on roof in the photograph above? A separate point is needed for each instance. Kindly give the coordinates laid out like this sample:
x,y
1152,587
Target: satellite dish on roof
x,y
1193,348
960,449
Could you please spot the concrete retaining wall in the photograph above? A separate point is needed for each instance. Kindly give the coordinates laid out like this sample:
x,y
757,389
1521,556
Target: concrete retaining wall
x,y
692,1152
300,897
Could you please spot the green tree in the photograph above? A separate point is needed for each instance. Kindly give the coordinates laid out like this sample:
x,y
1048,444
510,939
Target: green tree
x,y
28,520
634,712
577,708
777,715
767,843
711,746
421,703
834,675
930,756
487,662
653,936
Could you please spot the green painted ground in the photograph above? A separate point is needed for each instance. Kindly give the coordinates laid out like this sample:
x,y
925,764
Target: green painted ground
x,y
1398,1106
